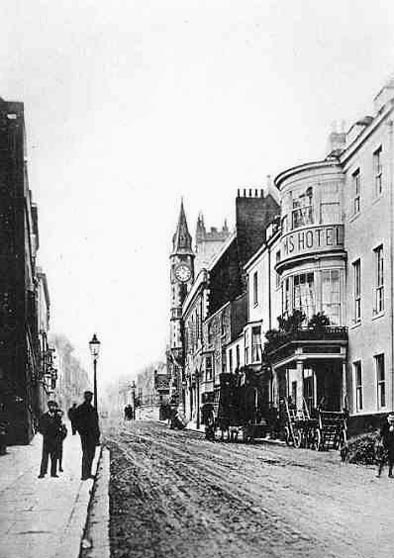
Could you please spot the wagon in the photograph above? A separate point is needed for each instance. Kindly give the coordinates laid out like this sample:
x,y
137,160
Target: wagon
x,y
300,430
332,430
238,407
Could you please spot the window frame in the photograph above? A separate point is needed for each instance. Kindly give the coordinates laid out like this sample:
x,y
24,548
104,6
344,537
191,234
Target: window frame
x,y
379,280
378,171
356,185
356,265
255,288
381,381
358,386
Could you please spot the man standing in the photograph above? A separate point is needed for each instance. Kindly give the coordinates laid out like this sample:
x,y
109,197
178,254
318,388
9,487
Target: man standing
x,y
86,422
387,438
48,427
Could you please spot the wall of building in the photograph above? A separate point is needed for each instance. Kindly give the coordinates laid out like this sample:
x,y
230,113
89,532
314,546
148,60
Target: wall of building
x,y
367,227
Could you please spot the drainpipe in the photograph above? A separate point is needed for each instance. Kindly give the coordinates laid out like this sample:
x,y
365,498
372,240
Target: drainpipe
x,y
269,289
391,185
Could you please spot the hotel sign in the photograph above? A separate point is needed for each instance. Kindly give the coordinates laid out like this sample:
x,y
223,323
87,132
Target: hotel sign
x,y
310,240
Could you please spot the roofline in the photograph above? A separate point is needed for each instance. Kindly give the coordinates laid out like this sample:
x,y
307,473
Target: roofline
x,y
265,246
329,162
222,250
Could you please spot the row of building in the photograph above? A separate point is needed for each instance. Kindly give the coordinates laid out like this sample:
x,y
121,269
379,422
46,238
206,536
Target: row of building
x,y
301,292
27,373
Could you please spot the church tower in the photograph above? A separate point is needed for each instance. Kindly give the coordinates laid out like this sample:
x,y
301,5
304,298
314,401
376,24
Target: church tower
x,y
181,278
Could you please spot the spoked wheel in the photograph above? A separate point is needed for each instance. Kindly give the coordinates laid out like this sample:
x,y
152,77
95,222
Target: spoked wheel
x,y
298,438
316,443
288,437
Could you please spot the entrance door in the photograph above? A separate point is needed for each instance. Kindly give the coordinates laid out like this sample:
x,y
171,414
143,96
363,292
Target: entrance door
x,y
308,393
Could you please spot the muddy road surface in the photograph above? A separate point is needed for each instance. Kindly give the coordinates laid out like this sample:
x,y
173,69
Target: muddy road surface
x,y
174,494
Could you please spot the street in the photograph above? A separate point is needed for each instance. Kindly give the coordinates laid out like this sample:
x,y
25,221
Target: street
x,y
174,494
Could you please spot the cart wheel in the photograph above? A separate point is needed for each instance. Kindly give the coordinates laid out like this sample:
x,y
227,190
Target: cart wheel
x,y
316,441
288,438
298,438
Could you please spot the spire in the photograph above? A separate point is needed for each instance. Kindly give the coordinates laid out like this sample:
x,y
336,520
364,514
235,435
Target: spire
x,y
182,240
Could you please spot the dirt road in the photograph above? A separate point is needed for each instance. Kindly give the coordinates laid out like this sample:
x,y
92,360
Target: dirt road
x,y
175,495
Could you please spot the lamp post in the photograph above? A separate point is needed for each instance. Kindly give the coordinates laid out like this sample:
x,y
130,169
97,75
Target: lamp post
x,y
94,346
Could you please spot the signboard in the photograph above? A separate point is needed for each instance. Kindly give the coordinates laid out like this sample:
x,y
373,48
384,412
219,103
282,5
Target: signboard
x,y
308,240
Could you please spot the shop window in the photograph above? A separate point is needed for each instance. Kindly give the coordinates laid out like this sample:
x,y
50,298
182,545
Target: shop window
x,y
378,174
331,295
256,344
381,380
357,290
208,368
379,280
358,380
356,192
304,298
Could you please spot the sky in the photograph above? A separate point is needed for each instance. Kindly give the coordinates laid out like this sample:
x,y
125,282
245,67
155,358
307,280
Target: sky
x,y
131,104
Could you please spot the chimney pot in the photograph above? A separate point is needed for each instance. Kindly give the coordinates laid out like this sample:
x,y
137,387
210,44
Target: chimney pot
x,y
256,193
262,193
250,192
244,192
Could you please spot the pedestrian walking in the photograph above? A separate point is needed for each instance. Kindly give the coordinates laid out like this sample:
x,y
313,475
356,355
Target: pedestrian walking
x,y
70,414
49,426
60,437
387,440
86,422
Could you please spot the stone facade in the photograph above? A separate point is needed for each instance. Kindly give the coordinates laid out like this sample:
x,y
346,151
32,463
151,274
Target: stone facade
x,y
21,357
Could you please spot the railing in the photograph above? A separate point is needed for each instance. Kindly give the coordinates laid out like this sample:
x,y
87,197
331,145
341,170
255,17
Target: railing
x,y
328,333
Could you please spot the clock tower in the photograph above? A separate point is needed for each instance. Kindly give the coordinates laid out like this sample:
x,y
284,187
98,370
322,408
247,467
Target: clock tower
x,y
181,279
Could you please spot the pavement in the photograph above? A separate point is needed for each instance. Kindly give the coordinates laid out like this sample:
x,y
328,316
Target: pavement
x,y
46,517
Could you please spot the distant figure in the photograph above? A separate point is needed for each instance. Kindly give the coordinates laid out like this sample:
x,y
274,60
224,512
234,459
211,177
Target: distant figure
x,y
49,427
208,419
60,437
86,422
70,414
387,438
128,412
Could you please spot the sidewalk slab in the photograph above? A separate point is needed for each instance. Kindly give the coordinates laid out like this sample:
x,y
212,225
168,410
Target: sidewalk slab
x,y
45,517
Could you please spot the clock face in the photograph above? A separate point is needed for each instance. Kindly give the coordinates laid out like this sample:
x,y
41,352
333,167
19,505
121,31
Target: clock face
x,y
183,273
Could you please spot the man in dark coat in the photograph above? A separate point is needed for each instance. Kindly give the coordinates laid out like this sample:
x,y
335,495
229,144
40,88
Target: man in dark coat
x,y
86,422
387,438
48,427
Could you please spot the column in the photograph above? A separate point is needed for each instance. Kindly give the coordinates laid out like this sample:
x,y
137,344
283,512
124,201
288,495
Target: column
x,y
300,375
345,402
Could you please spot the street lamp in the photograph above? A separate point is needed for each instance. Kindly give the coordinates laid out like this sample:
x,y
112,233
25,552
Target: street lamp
x,y
94,346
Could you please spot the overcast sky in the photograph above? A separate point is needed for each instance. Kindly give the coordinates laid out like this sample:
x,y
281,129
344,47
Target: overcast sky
x,y
131,104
